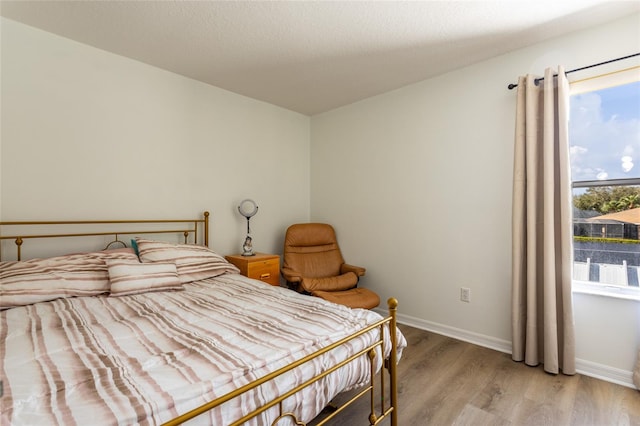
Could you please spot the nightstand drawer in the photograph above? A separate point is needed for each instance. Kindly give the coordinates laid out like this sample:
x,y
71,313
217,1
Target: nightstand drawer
x,y
265,270
261,266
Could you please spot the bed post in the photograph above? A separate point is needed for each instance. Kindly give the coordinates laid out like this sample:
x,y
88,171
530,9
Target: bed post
x,y
393,360
19,247
206,229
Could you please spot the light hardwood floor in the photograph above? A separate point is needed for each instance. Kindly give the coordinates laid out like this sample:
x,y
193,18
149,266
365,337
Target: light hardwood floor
x,y
443,381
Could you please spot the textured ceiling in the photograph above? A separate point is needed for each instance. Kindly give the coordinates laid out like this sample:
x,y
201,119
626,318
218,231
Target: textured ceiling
x,y
312,56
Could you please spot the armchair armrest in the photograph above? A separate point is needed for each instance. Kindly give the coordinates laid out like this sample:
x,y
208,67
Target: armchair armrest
x,y
290,275
358,270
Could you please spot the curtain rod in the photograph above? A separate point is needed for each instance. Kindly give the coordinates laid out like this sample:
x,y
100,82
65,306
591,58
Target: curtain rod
x,y
538,80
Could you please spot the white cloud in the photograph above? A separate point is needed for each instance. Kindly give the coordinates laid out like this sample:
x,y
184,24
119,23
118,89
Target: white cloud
x,y
577,150
604,135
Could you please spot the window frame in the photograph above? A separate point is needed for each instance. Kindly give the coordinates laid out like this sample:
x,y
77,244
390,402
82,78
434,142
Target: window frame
x,y
588,287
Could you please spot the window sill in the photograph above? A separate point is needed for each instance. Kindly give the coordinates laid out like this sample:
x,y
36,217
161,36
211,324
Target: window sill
x,y
614,291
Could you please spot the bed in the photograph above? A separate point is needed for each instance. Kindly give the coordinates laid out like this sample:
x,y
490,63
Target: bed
x,y
168,332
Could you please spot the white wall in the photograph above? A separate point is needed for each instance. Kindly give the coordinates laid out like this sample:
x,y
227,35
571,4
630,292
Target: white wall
x,y
89,134
418,185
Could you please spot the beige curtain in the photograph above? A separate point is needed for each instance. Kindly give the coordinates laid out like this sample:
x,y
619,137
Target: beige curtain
x,y
542,309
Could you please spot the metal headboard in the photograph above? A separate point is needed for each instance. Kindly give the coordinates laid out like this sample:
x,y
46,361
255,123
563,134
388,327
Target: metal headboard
x,y
185,226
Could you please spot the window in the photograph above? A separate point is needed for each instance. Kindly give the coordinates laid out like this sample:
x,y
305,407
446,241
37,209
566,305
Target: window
x,y
604,135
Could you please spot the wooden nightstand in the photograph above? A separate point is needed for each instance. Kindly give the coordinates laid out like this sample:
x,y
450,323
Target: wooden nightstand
x,y
262,266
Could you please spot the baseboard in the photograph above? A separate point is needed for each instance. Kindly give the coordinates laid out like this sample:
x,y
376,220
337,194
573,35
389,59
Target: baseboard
x,y
456,333
587,368
605,372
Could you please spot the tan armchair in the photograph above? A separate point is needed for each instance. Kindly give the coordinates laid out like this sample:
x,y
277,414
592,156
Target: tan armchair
x,y
313,264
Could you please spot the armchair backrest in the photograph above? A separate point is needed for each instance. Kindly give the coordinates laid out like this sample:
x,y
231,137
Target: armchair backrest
x,y
312,250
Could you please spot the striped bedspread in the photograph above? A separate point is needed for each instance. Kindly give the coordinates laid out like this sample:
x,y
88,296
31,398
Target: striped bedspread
x,y
147,358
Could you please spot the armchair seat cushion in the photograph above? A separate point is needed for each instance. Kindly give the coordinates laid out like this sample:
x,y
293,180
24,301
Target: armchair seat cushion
x,y
340,282
355,298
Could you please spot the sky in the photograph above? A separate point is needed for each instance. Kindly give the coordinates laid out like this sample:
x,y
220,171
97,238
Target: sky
x,y
604,133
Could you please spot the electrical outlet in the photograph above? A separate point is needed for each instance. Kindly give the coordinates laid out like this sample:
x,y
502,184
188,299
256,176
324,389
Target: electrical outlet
x,y
465,294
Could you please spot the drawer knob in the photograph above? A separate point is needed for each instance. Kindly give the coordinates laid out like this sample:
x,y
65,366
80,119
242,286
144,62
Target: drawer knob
x,y
264,276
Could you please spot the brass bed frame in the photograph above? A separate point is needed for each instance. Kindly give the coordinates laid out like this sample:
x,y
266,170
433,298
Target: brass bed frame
x,y
379,410
189,226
